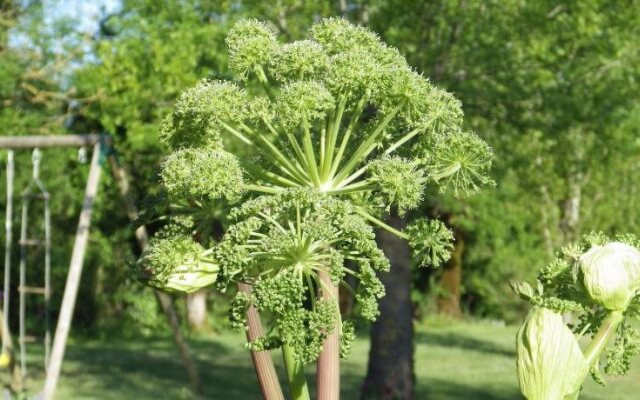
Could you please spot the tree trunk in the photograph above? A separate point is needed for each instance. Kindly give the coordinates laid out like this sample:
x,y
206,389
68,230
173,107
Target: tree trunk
x,y
570,223
197,311
449,299
390,372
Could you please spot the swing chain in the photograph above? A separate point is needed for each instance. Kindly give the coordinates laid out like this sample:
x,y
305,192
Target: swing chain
x,y
35,159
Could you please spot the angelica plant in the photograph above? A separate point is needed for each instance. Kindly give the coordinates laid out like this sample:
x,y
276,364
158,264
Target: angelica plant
x,y
302,154
597,281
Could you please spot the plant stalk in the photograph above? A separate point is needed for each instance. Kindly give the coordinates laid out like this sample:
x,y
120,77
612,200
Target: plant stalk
x,y
329,360
295,374
600,340
355,115
262,362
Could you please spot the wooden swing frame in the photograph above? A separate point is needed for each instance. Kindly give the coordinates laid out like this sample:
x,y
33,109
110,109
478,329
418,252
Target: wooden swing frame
x,y
101,144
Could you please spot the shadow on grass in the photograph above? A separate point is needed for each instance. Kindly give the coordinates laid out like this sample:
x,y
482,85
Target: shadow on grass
x,y
151,369
438,389
462,341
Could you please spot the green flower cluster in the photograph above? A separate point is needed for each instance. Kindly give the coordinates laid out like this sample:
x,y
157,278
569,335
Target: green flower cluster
x,y
298,158
280,245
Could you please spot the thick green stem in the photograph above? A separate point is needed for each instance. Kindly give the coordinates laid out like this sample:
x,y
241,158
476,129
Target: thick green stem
x,y
262,362
301,162
235,132
282,160
600,340
278,158
346,181
328,377
295,374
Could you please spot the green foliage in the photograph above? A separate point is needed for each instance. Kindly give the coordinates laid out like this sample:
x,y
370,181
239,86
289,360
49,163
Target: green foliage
x,y
550,87
626,346
299,101
281,244
347,337
199,112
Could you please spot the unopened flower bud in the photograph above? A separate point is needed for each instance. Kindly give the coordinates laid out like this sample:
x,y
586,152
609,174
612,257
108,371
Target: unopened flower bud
x,y
550,364
190,278
611,274
177,264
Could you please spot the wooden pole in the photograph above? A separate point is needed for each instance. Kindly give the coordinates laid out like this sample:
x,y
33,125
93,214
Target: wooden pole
x,y
8,226
262,361
16,377
165,301
30,142
73,277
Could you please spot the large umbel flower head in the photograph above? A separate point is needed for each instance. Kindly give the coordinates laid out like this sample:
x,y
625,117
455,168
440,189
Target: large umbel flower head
x,y
305,150
597,280
280,245
340,112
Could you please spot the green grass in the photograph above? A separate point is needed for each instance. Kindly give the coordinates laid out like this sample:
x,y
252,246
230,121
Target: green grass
x,y
454,360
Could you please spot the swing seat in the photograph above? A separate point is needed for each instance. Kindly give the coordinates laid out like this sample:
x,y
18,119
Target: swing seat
x,y
5,360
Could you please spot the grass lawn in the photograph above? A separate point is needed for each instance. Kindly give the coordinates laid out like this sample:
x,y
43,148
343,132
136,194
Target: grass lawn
x,y
454,360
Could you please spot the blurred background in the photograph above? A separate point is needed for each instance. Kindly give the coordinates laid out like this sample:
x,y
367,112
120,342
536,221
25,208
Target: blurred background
x,y
551,85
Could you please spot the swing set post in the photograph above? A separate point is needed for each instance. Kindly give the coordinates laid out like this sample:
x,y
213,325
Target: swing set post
x,y
73,277
99,142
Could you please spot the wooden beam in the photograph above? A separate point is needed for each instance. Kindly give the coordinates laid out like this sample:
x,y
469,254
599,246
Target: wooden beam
x,y
73,277
30,142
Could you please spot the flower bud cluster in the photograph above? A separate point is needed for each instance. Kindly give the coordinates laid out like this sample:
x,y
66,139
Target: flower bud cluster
x,y
401,181
598,281
252,44
431,241
177,264
202,174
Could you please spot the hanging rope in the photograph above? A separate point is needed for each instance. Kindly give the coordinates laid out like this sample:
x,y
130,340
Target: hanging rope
x,y
8,226
22,284
47,282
